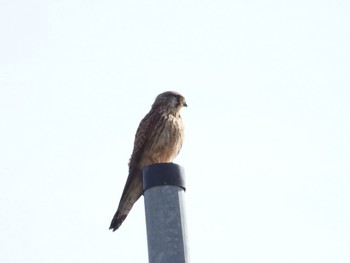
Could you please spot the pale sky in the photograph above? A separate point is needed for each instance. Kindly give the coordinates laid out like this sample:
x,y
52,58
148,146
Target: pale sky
x,y
267,147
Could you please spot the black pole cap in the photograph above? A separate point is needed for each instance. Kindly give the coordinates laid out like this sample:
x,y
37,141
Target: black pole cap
x,y
163,174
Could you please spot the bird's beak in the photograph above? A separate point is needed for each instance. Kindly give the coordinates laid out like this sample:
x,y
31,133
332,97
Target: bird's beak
x,y
184,104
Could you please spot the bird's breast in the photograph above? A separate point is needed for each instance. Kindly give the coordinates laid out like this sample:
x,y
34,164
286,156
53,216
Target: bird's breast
x,y
166,140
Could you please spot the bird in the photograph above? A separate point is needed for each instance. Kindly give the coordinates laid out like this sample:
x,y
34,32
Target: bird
x,y
158,139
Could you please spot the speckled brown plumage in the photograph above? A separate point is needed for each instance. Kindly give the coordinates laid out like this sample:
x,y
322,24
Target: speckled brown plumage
x,y
158,139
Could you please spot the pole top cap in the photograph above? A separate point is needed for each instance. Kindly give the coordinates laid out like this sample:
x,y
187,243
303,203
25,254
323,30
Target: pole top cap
x,y
163,174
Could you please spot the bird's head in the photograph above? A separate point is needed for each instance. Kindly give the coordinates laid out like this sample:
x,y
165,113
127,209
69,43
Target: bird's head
x,y
170,101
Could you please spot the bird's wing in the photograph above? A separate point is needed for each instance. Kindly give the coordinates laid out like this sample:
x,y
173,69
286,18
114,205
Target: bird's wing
x,y
143,135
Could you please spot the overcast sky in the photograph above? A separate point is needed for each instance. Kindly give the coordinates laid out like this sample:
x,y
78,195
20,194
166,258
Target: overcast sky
x,y
267,147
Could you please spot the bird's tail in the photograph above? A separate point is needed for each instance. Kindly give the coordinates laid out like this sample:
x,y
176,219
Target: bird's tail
x,y
131,194
117,220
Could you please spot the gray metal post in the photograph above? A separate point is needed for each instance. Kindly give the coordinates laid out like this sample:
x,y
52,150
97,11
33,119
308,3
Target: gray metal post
x,y
163,186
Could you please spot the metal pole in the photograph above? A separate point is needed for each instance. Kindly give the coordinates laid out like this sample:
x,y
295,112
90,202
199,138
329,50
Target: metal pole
x,y
163,186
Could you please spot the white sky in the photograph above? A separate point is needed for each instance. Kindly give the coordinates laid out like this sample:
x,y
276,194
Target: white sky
x,y
267,149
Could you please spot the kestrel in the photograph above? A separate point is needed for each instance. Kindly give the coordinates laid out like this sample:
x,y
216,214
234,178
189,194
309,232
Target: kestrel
x,y
158,139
